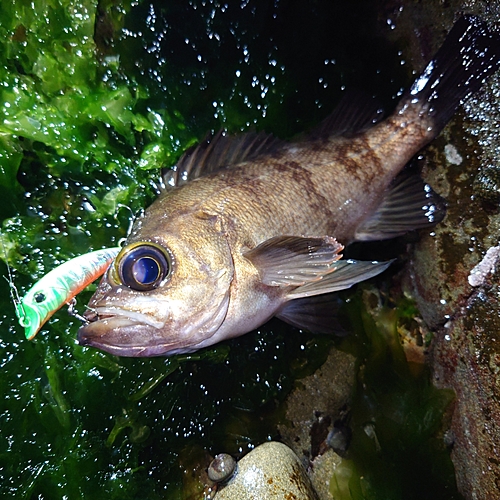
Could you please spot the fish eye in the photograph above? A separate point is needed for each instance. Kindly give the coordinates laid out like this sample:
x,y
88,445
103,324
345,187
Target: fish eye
x,y
143,266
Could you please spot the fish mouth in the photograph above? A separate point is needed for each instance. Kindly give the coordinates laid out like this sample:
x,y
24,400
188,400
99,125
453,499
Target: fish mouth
x,y
128,333
118,331
106,314
115,331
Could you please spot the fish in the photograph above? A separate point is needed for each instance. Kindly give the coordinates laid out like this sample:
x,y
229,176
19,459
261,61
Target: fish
x,y
60,286
251,227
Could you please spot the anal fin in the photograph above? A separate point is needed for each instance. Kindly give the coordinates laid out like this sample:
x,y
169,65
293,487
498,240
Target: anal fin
x,y
318,314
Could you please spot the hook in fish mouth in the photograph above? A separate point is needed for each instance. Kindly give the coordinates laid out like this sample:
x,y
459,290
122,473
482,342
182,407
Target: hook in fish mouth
x,y
73,312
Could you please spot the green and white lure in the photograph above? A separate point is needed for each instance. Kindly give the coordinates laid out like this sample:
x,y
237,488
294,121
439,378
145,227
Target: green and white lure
x,y
59,287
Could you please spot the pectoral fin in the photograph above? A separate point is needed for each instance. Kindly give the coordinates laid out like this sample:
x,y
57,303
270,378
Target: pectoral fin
x,y
313,307
294,260
343,274
309,268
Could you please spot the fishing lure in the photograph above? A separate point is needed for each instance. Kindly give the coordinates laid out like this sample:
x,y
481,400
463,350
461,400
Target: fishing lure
x,y
59,287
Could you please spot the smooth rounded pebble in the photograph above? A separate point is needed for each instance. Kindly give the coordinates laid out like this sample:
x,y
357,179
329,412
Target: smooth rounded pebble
x,y
221,468
271,471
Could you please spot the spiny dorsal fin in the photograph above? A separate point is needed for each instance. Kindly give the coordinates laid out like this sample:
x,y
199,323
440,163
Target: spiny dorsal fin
x,y
218,152
355,112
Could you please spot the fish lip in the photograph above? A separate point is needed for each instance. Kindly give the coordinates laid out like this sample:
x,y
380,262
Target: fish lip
x,y
126,350
107,314
89,335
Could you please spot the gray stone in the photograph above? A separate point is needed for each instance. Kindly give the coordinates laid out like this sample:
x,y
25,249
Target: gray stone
x,y
312,407
271,471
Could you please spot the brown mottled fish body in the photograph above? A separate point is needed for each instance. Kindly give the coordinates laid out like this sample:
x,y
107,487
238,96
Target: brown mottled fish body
x,y
323,186
253,227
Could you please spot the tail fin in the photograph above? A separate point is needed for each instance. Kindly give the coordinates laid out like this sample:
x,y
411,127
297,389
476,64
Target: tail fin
x,y
469,55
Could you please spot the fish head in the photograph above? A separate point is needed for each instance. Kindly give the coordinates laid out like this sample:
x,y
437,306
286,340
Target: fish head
x,y
163,294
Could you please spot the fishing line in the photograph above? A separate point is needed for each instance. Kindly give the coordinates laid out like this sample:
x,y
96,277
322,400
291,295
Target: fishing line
x,y
91,309
14,294
133,217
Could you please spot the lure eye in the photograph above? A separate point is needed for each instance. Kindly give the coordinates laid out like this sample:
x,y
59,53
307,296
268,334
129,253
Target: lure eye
x,y
143,266
39,297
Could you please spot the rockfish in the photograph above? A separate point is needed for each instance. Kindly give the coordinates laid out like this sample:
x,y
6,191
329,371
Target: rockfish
x,y
251,227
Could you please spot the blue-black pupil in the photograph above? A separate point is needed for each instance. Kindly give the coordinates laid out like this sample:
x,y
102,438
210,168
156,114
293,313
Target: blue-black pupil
x,y
146,270
143,267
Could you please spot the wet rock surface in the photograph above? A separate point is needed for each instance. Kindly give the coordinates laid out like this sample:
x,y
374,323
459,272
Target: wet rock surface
x,y
271,471
316,403
313,407
466,357
462,308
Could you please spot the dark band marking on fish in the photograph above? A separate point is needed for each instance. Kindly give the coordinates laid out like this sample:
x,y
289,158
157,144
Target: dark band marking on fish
x,y
302,177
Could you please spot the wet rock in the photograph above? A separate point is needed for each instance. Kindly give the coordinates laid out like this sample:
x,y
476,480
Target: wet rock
x,y
487,184
466,357
316,403
271,471
461,306
222,468
321,473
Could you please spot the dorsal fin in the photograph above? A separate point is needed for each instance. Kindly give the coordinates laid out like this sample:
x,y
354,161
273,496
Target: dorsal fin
x,y
355,112
218,152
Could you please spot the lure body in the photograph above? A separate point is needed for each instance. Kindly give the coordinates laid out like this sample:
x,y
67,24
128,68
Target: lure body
x,y
59,287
